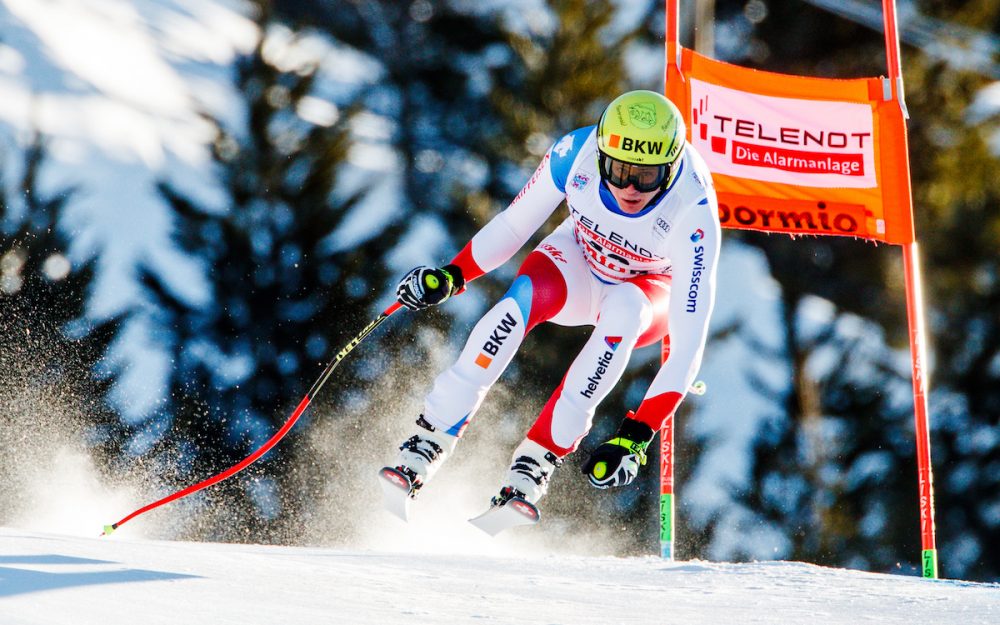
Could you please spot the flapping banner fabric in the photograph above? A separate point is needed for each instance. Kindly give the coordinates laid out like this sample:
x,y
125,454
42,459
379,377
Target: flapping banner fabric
x,y
799,155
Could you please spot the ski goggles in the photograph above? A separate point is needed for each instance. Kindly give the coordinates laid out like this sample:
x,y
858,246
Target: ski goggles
x,y
644,178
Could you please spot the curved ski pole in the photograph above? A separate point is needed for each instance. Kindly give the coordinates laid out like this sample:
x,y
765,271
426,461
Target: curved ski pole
x,y
108,529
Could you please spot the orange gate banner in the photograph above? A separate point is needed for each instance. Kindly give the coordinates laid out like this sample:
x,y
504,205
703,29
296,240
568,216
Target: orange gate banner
x,y
796,154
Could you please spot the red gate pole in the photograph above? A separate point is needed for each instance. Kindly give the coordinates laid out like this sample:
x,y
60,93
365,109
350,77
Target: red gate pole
x,y
918,354
667,476
671,73
917,326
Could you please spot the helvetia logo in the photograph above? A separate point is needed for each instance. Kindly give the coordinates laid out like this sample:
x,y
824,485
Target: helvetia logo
x,y
612,342
602,368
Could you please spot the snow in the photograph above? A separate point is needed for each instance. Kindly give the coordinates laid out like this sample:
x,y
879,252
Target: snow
x,y
48,579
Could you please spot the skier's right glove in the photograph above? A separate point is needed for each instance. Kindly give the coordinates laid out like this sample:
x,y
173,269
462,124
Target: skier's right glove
x,y
616,462
427,286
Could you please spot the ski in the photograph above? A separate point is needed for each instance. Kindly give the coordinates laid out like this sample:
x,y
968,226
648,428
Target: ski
x,y
396,492
515,512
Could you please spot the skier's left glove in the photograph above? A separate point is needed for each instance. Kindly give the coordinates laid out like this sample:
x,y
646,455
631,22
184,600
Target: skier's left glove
x,y
429,286
616,462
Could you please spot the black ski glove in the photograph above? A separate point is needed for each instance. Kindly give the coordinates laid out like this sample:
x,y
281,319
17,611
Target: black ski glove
x,y
616,462
427,286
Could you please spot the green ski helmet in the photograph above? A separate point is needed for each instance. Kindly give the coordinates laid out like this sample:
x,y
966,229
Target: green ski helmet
x,y
640,139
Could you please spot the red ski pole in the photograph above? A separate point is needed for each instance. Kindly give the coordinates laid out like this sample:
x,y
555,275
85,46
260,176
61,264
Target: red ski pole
x,y
231,471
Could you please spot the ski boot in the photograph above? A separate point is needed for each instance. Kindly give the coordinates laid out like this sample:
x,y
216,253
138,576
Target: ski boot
x,y
419,458
526,482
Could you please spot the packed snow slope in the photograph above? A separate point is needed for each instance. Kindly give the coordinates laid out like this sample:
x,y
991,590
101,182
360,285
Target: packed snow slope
x,y
49,579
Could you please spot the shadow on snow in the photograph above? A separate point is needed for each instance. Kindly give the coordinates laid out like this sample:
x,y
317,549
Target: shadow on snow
x,y
21,581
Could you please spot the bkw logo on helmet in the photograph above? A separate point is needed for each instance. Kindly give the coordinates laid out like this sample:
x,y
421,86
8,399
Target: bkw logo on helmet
x,y
635,145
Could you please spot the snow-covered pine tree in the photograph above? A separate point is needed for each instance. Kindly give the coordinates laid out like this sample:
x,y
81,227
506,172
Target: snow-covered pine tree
x,y
283,296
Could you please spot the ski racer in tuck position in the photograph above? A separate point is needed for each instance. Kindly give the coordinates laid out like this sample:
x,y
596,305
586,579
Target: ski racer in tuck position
x,y
636,258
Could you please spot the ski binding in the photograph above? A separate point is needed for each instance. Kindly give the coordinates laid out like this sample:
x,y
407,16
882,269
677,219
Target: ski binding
x,y
516,511
396,492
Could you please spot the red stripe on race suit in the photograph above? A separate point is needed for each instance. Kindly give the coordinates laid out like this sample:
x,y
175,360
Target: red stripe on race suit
x,y
653,411
548,288
470,269
541,431
656,288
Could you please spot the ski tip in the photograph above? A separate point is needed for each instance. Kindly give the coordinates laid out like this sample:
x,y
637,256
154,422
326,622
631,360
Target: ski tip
x,y
108,529
514,513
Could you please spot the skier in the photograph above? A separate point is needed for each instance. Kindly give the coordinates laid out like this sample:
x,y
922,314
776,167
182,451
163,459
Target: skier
x,y
635,258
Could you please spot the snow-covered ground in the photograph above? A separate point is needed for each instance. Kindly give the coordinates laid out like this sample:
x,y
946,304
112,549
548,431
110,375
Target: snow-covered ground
x,y
49,579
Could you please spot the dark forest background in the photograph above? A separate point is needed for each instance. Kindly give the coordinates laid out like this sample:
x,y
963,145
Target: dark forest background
x,y
468,99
